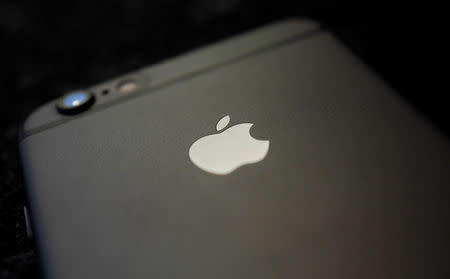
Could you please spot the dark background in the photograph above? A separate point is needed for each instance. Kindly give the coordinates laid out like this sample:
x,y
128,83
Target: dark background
x,y
48,48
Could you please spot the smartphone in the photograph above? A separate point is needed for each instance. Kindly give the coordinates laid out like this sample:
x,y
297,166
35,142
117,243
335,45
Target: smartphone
x,y
273,154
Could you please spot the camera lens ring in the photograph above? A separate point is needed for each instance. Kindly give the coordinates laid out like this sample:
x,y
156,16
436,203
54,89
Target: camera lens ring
x,y
75,102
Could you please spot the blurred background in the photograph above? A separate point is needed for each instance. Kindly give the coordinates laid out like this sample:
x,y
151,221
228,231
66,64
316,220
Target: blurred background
x,y
50,47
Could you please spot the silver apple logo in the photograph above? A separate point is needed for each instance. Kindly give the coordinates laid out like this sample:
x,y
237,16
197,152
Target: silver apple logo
x,y
224,152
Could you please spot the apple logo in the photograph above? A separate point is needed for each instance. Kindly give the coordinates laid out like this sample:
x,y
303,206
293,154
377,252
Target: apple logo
x,y
224,152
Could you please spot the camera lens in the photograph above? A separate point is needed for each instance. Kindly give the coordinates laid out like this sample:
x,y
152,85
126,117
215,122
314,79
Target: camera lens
x,y
75,102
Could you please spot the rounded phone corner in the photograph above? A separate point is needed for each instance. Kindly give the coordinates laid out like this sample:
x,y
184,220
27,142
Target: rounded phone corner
x,y
37,117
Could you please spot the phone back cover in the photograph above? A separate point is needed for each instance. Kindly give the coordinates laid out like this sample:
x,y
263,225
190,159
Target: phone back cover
x,y
353,185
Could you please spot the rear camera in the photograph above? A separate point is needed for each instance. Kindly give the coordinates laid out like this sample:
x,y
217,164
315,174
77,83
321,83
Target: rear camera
x,y
75,102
